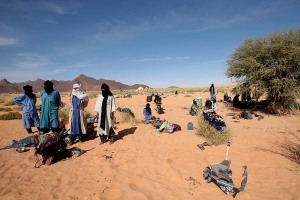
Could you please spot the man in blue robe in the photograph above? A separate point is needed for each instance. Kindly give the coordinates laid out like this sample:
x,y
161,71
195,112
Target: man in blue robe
x,y
50,106
77,118
30,115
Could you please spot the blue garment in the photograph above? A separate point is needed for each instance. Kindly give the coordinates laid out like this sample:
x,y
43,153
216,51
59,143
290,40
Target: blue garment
x,y
76,125
147,115
50,106
30,116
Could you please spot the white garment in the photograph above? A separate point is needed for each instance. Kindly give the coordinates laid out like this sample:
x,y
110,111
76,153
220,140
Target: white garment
x,y
109,120
78,93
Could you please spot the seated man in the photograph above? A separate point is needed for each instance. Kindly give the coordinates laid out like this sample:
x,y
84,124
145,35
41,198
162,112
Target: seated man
x,y
236,102
148,113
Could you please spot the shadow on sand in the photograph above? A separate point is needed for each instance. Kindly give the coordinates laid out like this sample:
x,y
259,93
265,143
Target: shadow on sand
x,y
125,132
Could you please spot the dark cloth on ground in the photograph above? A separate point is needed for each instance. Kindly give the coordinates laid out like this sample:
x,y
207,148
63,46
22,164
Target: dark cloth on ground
x,y
25,142
215,120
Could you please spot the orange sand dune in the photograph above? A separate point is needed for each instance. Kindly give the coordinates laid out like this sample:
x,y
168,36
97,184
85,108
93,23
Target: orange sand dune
x,y
145,164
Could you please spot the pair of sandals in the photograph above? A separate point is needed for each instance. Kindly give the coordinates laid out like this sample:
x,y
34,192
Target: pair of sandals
x,y
202,146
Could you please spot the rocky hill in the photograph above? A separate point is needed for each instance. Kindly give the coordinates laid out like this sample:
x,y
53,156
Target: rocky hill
x,y
88,84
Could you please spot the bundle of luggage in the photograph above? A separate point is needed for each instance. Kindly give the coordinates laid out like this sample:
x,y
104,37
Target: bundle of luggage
x,y
221,175
51,146
91,127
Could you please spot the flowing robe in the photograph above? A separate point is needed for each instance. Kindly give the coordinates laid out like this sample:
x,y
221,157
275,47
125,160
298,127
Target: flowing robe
x,y
50,106
77,116
30,115
109,117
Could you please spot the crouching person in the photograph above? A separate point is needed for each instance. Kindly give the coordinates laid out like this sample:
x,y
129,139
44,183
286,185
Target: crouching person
x,y
105,107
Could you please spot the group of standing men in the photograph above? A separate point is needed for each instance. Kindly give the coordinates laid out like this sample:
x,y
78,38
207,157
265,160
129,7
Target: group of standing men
x,y
49,116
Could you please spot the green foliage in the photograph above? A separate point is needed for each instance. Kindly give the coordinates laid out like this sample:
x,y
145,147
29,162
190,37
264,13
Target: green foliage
x,y
271,66
211,135
11,115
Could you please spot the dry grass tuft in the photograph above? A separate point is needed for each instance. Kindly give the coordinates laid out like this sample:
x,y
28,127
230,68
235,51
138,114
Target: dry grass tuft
x,y
212,136
127,118
6,109
10,116
64,114
9,103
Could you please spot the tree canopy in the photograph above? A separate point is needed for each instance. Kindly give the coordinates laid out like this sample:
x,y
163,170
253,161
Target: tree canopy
x,y
270,65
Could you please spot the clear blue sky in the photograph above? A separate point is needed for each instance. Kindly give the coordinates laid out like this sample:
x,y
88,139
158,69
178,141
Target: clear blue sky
x,y
159,43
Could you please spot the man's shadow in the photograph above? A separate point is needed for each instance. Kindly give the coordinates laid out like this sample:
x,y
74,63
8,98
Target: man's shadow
x,y
125,132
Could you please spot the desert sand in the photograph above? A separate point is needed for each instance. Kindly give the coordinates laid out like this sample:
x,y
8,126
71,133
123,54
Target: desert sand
x,y
145,164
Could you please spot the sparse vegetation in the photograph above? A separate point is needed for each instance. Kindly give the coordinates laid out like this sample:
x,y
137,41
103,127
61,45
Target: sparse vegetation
x,y
10,116
6,109
64,114
9,102
212,136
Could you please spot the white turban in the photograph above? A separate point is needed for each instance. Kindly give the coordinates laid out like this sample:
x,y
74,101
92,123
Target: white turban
x,y
77,91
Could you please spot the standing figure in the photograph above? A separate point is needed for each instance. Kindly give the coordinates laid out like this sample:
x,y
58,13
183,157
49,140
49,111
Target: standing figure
x,y
212,92
30,115
148,113
77,118
50,105
105,108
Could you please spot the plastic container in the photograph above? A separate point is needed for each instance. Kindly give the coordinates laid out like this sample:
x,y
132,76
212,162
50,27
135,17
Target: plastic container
x,y
190,126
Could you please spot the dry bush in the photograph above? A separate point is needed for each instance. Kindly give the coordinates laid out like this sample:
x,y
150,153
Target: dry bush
x,y
212,136
9,102
2,100
278,109
10,116
288,149
64,114
6,109
127,118
92,94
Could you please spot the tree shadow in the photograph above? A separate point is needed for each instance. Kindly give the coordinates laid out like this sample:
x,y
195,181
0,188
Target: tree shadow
x,y
125,132
287,149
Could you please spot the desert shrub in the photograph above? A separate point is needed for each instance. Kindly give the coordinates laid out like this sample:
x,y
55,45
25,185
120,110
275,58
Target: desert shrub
x,y
127,118
64,114
187,95
2,100
9,103
6,109
19,108
279,109
92,94
10,116
211,135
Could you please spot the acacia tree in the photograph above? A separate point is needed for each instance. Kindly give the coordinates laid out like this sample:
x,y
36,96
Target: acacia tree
x,y
271,66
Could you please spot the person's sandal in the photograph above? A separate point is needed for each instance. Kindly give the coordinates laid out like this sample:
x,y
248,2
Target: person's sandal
x,y
201,146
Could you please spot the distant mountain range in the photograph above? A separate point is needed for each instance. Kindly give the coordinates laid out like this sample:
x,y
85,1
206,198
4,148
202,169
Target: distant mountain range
x,y
88,84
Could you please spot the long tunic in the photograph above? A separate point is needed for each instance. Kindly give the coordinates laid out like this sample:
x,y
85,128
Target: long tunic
x,y
50,106
30,115
109,121
77,116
